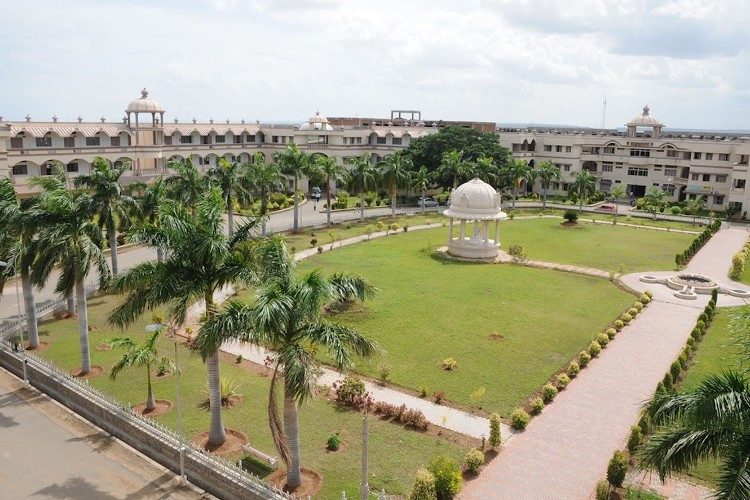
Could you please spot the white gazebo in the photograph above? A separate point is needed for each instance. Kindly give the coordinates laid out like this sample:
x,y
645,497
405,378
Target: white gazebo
x,y
478,202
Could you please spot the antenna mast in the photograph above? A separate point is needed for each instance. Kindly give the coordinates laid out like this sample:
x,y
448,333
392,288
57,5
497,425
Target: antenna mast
x,y
604,110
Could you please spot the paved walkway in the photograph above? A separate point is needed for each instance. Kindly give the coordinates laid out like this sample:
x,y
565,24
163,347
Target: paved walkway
x,y
565,450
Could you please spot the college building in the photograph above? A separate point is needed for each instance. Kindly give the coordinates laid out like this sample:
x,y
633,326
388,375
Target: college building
x,y
712,165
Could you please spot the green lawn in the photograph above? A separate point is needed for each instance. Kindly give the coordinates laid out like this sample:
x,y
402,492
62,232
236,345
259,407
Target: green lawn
x,y
395,453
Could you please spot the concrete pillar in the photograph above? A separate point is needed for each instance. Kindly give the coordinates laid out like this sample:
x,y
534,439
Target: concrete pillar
x,y
450,231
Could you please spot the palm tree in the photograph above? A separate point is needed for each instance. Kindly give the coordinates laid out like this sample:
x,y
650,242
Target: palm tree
x,y
420,180
285,316
710,421
362,177
295,163
617,191
154,195
231,178
513,173
333,172
584,183
547,173
654,200
188,185
111,204
695,205
394,173
138,356
485,169
201,260
69,239
17,242
265,179
452,166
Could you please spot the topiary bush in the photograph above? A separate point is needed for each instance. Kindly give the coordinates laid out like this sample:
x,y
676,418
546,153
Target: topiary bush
x,y
645,299
549,392
562,381
519,419
573,369
594,349
618,324
649,294
602,490
668,381
447,475
473,460
424,486
537,405
626,318
602,339
675,369
633,312
583,359
617,468
635,438
570,215
638,306
495,436
611,332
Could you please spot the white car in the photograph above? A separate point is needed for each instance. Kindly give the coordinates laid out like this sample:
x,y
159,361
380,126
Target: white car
x,y
427,202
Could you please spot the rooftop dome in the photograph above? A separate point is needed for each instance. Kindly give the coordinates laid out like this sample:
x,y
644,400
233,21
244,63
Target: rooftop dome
x,y
475,200
316,122
645,120
144,105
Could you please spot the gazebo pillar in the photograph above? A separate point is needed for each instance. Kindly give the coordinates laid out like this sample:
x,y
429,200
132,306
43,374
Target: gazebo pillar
x,y
450,231
486,233
462,232
497,232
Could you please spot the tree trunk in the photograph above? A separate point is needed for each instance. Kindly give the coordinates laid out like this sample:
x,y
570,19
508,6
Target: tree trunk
x,y
291,429
160,255
296,206
362,206
263,208
230,217
544,203
29,308
83,327
393,205
328,197
423,203
113,250
216,433
515,193
71,303
150,402
580,202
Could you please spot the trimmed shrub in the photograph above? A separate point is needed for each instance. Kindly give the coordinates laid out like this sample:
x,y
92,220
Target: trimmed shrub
x,y
617,468
682,359
602,339
618,324
350,389
447,476
473,460
570,215
703,317
333,442
700,325
649,294
638,306
626,318
594,349
611,332
644,423
549,392
660,389
714,295
633,312
519,419
675,369
424,486
636,436
414,419
695,333
645,299
602,490
668,381
690,343
562,381
537,405
573,369
583,359
495,437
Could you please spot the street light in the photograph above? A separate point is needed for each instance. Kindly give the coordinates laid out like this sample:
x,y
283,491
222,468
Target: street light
x,y
154,328
20,324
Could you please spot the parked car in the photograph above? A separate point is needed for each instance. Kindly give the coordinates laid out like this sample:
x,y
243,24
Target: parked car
x,y
315,192
427,202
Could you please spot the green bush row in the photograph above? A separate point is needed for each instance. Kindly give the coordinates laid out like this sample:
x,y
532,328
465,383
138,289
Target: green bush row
x,y
683,258
738,262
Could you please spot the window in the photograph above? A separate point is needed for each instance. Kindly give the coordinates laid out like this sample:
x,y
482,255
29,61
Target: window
x,y
205,139
640,152
548,147
44,142
709,156
607,166
719,199
238,139
167,140
605,185
706,177
22,169
721,178
696,156
671,153
69,142
16,142
670,172
739,183
220,139
381,140
723,157
609,150
693,177
92,141
250,138
397,141
566,168
638,171
186,139
668,188
72,166
115,141
274,138
558,149
568,149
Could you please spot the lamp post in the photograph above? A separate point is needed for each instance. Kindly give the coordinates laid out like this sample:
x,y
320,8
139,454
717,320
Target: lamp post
x,y
20,323
157,327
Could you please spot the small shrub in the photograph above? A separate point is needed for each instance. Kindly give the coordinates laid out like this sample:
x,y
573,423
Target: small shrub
x,y
700,325
611,332
495,436
602,339
549,392
675,369
638,306
660,389
414,419
537,405
573,369
636,436
633,312
349,389
384,371
626,318
617,468
602,490
583,359
594,349
423,390
313,242
562,381
519,419
473,460
477,396
690,343
515,250
447,476
645,298
649,294
439,395
644,423
668,381
570,215
695,333
238,359
405,228
320,249
682,359
334,441
424,486
618,324
449,364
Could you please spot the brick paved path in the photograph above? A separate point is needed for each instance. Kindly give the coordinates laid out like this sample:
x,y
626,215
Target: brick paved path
x,y
565,450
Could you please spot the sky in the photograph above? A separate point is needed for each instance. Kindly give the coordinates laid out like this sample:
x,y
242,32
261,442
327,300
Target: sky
x,y
504,61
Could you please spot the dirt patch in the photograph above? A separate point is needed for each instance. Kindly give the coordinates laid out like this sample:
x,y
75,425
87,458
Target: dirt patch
x,y
495,336
232,445
103,347
96,370
65,315
166,374
312,482
42,346
570,225
93,328
162,406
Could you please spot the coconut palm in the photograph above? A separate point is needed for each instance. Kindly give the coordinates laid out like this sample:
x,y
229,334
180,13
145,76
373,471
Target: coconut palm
x,y
69,240
111,204
485,169
653,201
187,185
584,183
295,163
333,171
362,177
144,355
453,166
710,421
201,260
695,205
420,180
394,173
514,172
234,183
285,316
547,173
265,179
153,195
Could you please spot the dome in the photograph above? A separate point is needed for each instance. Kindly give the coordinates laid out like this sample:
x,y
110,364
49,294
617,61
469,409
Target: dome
x,y
645,120
144,105
475,200
316,122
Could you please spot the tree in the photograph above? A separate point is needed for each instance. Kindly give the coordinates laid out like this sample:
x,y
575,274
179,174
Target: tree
x,y
547,173
695,205
111,204
140,356
201,260
453,167
265,179
420,180
584,183
654,200
285,316
708,421
513,174
485,169
153,197
362,177
231,178
394,173
188,185
70,240
332,171
295,163
617,191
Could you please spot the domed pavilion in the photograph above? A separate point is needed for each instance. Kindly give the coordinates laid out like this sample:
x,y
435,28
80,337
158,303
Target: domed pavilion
x,y
475,204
